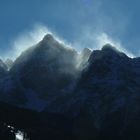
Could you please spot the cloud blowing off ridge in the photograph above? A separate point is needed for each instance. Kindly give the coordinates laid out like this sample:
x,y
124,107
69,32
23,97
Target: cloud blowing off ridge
x,y
89,39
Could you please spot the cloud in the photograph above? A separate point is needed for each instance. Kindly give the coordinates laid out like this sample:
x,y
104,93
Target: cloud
x,y
103,39
88,38
27,39
96,39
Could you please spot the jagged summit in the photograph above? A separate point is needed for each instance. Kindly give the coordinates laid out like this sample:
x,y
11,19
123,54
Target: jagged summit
x,y
48,41
86,51
50,67
108,47
53,43
48,37
103,95
107,51
51,63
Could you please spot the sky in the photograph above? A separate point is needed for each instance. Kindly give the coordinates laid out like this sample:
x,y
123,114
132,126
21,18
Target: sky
x,y
80,23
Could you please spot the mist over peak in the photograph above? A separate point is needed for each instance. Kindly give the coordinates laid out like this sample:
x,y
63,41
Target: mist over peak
x,y
52,78
48,37
112,49
69,70
40,33
108,46
50,46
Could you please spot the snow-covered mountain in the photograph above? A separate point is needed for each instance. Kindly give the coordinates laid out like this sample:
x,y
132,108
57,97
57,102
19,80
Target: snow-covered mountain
x,y
42,72
106,97
99,89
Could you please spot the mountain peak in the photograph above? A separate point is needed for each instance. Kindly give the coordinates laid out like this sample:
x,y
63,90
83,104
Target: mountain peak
x,y
108,47
48,37
107,51
86,51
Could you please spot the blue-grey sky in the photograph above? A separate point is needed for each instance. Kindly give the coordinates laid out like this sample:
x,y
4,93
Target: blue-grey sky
x,y
80,22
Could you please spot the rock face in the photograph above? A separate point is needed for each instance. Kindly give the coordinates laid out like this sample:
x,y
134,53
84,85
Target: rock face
x,y
9,90
47,68
99,91
111,92
106,98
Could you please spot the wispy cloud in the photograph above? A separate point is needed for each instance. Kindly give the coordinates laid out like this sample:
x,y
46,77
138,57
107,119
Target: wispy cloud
x,y
88,38
103,39
97,39
27,39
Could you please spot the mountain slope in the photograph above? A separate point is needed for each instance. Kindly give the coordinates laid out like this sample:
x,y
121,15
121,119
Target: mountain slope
x,y
107,97
98,92
44,71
